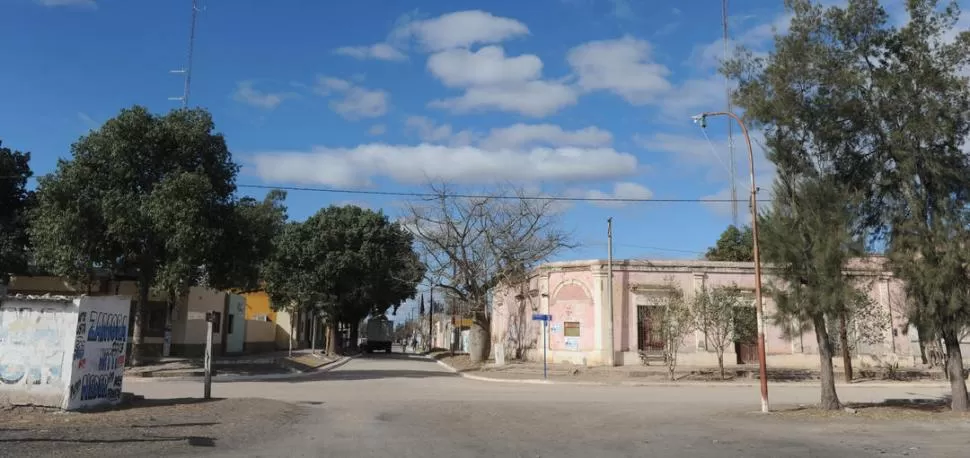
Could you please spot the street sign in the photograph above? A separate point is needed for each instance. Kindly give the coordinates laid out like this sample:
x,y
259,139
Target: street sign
x,y
541,317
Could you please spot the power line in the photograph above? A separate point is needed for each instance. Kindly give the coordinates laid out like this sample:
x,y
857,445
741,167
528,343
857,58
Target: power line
x,y
428,195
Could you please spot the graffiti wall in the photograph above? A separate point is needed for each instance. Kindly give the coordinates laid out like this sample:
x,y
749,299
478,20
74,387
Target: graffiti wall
x,y
99,339
33,367
62,352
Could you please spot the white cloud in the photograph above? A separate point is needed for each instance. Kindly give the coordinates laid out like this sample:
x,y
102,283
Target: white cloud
x,y
692,97
82,3
531,98
356,102
430,132
353,167
494,82
246,93
461,29
378,51
758,38
519,135
377,129
516,136
624,191
622,66
487,66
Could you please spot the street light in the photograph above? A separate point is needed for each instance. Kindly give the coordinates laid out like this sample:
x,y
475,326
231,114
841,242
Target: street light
x,y
701,119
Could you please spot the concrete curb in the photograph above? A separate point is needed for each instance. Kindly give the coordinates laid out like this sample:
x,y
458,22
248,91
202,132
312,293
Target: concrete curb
x,y
685,384
247,378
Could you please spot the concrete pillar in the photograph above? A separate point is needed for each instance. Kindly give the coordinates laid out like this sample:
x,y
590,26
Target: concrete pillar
x,y
697,283
602,320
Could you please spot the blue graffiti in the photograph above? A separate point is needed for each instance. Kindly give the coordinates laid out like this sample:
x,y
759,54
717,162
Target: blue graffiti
x,y
107,327
108,360
95,386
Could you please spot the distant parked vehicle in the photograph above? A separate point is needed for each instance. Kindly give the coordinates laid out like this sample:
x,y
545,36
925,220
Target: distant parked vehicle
x,y
380,335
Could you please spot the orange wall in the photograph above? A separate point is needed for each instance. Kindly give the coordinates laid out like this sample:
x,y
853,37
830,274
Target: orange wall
x,y
258,304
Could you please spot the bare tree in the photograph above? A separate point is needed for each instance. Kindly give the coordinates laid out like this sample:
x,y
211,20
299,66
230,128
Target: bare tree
x,y
714,310
675,323
476,243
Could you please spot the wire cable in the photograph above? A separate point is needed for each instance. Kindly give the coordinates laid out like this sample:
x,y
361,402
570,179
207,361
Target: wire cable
x,y
428,195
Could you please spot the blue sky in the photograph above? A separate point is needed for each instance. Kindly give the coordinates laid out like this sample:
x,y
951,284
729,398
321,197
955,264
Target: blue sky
x,y
567,97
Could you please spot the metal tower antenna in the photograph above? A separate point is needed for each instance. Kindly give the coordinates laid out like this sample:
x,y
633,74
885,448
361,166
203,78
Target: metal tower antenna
x,y
187,70
727,90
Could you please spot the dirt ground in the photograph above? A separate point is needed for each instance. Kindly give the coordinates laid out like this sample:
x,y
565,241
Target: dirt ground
x,y
652,373
144,427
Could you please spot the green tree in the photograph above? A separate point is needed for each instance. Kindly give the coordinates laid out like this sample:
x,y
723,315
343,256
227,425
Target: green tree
x,y
143,194
807,237
886,109
15,201
343,263
250,228
676,321
736,245
715,312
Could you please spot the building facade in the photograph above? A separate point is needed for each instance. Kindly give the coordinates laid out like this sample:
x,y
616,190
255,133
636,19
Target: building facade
x,y
242,328
576,295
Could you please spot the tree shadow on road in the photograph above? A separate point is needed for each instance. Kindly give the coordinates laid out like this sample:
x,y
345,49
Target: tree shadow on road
x,y
889,409
369,374
195,441
396,356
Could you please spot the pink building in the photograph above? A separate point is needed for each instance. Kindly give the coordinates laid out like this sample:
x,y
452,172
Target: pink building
x,y
576,294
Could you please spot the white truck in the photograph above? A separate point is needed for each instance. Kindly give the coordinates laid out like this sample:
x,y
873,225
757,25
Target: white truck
x,y
380,335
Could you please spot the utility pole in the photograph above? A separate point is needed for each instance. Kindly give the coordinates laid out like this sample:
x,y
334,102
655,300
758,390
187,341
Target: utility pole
x,y
187,70
611,356
759,302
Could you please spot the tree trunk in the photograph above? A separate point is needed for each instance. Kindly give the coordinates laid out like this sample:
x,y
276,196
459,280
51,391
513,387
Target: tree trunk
x,y
137,337
720,362
313,334
954,371
830,400
921,334
331,338
479,338
844,343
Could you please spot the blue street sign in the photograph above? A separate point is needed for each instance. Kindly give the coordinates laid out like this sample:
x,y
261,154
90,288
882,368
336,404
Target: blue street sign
x,y
541,317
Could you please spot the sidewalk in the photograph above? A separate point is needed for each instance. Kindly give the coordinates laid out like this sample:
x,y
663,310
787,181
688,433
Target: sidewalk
x,y
658,374
241,365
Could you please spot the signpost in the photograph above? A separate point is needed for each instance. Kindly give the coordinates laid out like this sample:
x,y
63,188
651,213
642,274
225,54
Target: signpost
x,y
545,319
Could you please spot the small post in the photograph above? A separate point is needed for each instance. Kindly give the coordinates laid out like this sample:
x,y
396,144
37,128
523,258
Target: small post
x,y
207,392
611,357
545,327
431,320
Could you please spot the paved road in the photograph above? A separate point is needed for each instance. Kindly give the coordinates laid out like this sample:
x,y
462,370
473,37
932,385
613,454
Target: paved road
x,y
406,406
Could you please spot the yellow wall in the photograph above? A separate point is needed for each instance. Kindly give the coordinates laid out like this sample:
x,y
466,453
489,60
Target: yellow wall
x,y
257,303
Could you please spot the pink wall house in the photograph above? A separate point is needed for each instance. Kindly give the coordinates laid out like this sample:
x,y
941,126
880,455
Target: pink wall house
x,y
575,293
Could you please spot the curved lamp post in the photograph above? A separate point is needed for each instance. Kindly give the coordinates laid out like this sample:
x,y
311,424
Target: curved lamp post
x,y
759,309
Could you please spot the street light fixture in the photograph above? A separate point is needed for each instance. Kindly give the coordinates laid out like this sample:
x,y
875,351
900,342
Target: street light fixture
x,y
701,120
